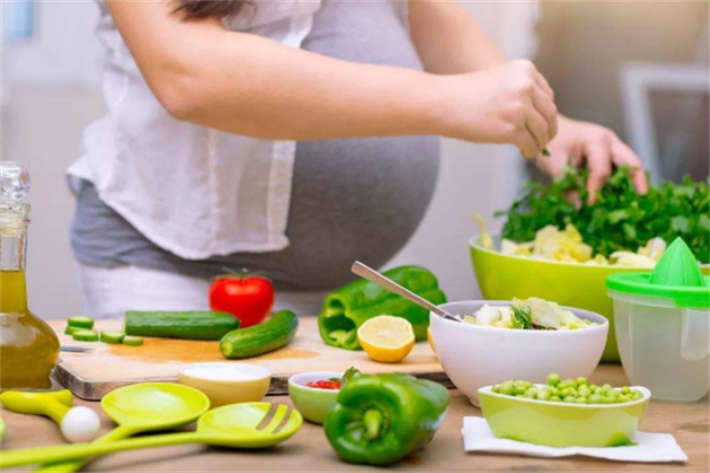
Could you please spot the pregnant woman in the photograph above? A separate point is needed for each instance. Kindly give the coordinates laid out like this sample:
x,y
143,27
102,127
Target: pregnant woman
x,y
290,138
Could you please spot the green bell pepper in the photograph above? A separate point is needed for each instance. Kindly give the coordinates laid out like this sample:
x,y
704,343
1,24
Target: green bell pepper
x,y
381,419
347,308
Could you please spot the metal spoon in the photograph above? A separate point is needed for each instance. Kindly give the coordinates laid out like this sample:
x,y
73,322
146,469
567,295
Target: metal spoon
x,y
373,276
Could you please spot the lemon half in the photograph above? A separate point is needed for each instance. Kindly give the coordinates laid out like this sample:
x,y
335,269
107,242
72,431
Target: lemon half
x,y
386,338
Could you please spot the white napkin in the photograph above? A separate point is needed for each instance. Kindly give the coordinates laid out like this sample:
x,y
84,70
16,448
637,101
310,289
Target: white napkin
x,y
649,448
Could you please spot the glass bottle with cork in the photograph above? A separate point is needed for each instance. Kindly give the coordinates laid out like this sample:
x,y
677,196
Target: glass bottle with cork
x,y
28,346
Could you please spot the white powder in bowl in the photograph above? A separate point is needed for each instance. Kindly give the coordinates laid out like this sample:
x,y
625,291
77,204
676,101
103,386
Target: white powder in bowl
x,y
225,372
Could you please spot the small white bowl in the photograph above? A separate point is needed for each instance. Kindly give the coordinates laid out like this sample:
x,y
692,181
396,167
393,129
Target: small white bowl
x,y
227,383
475,356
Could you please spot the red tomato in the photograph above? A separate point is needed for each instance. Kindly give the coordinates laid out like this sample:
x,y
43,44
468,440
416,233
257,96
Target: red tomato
x,y
248,298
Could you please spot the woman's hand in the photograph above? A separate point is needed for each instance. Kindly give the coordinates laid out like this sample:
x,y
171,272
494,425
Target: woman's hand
x,y
579,143
510,103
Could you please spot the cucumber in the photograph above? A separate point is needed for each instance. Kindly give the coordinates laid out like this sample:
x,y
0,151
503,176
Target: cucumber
x,y
72,330
191,325
132,341
268,336
81,321
85,336
112,337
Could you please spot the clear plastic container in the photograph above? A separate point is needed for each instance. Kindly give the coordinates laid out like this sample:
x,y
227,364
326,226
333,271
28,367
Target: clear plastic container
x,y
663,347
663,326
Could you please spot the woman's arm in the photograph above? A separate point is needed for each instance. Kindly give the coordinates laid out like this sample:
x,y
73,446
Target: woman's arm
x,y
246,84
450,41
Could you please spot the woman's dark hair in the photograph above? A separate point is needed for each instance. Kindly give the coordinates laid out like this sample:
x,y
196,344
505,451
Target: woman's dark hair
x,y
209,8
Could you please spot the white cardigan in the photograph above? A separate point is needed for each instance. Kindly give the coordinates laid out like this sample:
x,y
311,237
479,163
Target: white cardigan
x,y
192,190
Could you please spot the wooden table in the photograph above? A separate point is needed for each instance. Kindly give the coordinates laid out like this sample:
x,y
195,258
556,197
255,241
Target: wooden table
x,y
309,450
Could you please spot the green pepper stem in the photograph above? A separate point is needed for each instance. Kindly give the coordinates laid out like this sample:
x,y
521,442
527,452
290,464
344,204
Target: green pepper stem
x,y
373,423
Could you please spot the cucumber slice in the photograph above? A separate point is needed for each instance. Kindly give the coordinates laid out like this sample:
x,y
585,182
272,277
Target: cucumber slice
x,y
81,321
132,341
72,330
112,337
86,336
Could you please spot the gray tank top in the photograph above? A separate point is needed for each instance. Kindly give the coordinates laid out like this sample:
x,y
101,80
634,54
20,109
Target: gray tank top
x,y
351,199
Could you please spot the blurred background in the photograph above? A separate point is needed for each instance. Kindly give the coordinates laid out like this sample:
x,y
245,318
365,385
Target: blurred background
x,y
640,68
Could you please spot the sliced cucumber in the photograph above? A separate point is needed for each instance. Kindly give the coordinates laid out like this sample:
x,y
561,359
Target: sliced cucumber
x,y
132,341
112,337
72,330
81,321
86,336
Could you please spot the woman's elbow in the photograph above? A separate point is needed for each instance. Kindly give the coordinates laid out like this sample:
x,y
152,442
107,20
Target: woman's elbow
x,y
177,99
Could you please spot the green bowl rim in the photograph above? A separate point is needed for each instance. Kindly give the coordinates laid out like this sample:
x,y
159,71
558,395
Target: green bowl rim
x,y
486,390
473,243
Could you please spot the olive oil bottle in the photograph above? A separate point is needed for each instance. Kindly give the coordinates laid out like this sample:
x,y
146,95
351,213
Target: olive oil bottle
x,y
28,346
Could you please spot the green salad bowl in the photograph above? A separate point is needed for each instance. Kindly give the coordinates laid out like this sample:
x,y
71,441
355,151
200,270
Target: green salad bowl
x,y
503,277
559,424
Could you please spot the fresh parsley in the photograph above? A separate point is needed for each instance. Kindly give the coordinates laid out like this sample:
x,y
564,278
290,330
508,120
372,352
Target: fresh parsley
x,y
621,219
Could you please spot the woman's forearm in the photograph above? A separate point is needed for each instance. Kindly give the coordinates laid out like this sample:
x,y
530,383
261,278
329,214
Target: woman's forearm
x,y
449,40
246,84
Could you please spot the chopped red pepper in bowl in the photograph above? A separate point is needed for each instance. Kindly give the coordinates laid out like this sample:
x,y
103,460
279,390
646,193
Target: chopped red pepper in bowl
x,y
325,384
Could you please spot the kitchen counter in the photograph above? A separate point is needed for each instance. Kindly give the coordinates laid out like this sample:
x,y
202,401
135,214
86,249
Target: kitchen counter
x,y
310,451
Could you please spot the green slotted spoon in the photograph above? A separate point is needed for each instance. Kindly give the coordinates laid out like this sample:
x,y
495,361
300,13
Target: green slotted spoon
x,y
142,408
246,425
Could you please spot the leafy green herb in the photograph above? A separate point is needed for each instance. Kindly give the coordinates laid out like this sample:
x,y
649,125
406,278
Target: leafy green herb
x,y
522,317
351,373
621,219
545,152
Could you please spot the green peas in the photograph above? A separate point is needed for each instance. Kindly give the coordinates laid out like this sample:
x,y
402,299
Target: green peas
x,y
506,389
568,391
596,399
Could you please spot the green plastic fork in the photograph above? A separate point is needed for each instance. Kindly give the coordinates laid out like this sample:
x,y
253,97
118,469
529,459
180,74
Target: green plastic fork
x,y
246,426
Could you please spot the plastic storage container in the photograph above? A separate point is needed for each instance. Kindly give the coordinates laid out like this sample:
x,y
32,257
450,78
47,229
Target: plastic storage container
x,y
663,326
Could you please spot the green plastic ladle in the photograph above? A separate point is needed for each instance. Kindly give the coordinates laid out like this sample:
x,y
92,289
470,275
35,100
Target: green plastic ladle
x,y
247,425
143,408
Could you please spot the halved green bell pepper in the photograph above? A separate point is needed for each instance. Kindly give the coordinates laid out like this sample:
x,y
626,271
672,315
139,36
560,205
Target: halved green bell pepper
x,y
381,419
347,308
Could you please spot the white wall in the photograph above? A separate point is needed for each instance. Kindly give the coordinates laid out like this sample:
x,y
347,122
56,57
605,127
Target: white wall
x,y
54,95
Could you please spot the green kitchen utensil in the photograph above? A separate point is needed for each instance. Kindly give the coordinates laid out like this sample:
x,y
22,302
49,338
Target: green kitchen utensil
x,y
250,425
53,404
143,408
663,325
77,424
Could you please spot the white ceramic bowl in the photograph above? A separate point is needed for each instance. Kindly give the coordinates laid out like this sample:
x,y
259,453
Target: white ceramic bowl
x,y
475,356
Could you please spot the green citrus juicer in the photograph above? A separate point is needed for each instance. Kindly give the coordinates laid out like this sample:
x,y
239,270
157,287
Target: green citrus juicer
x,y
251,425
663,325
142,408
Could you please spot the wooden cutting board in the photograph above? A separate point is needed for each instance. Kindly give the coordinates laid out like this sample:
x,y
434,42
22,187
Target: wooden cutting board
x,y
107,367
